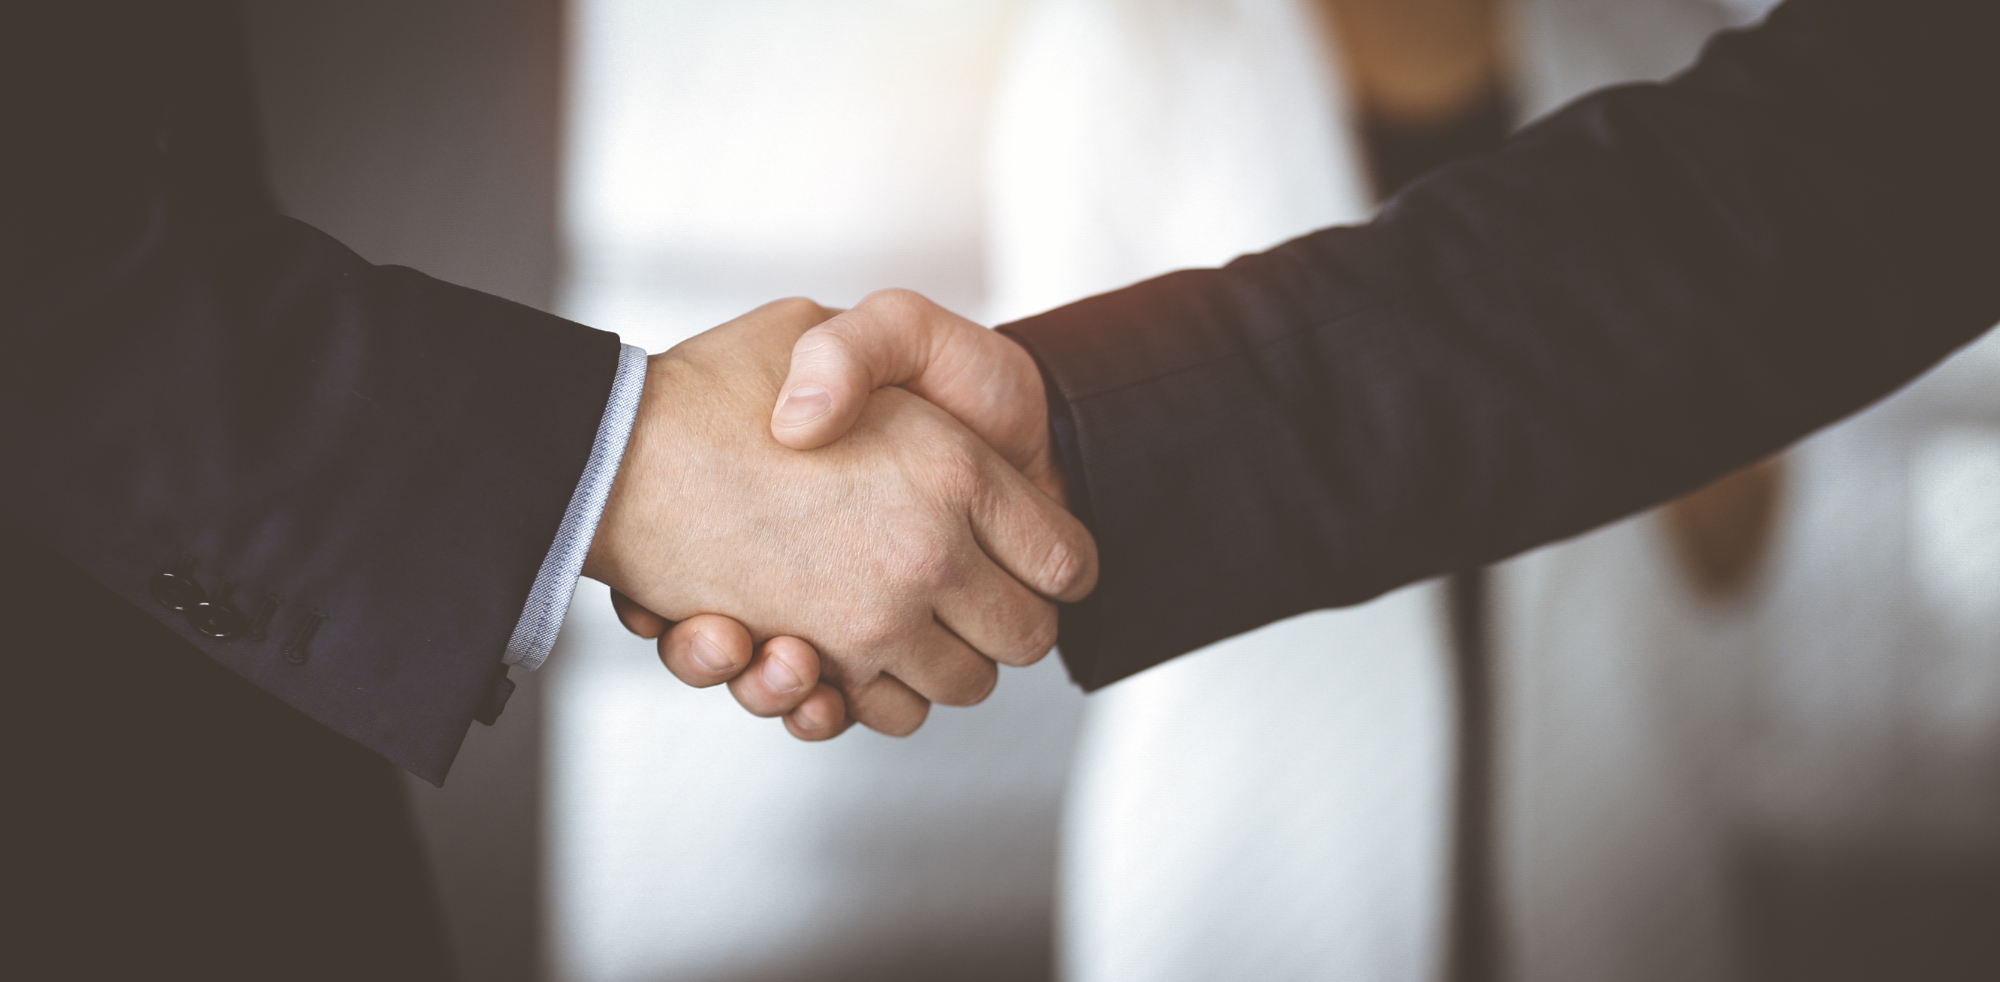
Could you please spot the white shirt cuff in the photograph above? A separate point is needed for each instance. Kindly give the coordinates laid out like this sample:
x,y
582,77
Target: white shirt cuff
x,y
555,583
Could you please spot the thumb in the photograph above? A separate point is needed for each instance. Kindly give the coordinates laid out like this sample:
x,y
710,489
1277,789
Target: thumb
x,y
891,337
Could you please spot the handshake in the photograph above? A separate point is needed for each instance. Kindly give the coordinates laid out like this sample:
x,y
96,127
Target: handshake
x,y
846,516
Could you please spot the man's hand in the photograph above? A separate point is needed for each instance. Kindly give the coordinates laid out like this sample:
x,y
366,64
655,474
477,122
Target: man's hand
x,y
909,554
896,337
778,678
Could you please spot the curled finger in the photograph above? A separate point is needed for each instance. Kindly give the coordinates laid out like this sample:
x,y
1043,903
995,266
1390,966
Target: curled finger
x,y
822,715
781,677
705,650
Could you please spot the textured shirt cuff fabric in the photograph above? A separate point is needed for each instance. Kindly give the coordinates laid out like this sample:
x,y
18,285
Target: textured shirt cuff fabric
x,y
549,600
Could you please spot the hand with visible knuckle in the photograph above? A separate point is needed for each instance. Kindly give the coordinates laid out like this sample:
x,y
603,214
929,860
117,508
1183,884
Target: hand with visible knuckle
x,y
853,545
1043,638
974,688
822,339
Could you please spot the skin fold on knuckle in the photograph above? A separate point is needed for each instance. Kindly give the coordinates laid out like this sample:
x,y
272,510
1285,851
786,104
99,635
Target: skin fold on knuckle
x,y
896,303
1070,568
1061,569
946,469
825,357
901,726
800,308
903,319
895,717
873,628
917,565
973,686
823,343
827,712
1038,638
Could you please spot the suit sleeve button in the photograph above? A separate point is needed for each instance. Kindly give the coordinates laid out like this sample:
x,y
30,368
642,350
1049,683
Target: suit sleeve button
x,y
217,619
177,591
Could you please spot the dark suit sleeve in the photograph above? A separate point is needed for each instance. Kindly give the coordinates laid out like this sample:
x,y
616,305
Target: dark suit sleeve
x,y
368,464
1653,287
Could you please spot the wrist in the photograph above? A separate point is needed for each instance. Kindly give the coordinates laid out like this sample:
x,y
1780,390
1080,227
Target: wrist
x,y
616,526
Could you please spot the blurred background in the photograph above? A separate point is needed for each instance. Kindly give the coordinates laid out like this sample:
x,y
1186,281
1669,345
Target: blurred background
x,y
1755,735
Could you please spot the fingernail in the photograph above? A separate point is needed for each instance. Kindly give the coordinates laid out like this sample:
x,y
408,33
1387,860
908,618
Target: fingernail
x,y
780,677
808,718
710,656
803,405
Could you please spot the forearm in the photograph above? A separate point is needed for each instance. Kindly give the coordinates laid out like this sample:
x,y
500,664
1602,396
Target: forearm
x,y
361,468
380,458
1654,287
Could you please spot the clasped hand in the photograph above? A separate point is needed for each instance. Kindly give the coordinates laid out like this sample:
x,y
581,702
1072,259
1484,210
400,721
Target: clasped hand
x,y
881,540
